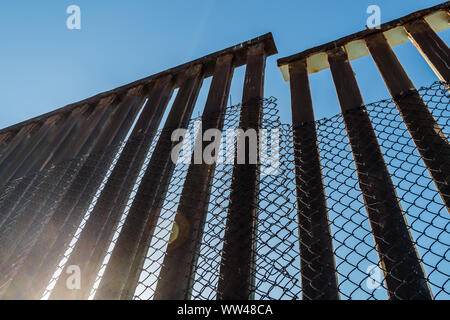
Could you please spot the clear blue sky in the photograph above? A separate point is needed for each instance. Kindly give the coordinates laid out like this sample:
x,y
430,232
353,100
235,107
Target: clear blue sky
x,y
43,65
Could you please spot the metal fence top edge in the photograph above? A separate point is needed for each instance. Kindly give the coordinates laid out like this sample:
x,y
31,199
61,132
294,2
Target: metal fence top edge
x,y
435,14
239,53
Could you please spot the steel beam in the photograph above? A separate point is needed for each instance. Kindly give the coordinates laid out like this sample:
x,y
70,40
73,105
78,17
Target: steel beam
x,y
26,154
318,270
237,264
182,253
75,144
96,236
27,221
429,138
5,138
126,261
431,46
404,275
49,146
56,236
16,144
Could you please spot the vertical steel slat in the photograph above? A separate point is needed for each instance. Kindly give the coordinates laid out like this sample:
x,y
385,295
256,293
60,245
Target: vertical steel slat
x,y
403,272
430,141
73,145
318,269
30,220
23,211
59,231
431,46
49,146
5,138
28,171
16,143
95,238
159,194
127,254
39,162
182,253
26,154
13,149
237,264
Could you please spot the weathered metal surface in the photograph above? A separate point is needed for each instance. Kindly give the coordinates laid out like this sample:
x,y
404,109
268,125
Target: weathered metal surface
x,y
102,125
92,244
237,264
48,148
129,253
21,217
26,154
430,141
431,46
182,252
4,141
75,144
403,273
318,270
17,143
59,231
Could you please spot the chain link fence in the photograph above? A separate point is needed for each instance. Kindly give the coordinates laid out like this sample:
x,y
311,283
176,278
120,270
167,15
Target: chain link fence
x,y
276,271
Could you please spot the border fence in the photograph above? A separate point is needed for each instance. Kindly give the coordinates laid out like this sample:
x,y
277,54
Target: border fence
x,y
356,207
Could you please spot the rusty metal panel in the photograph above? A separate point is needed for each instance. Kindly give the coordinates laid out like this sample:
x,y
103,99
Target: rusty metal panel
x,y
60,229
70,147
236,270
25,218
26,154
5,138
318,269
29,221
39,162
426,133
182,253
129,252
92,244
17,144
50,145
431,46
404,274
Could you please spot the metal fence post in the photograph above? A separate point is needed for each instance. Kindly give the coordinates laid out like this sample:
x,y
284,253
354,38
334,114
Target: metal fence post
x,y
318,270
129,253
13,164
431,46
182,253
47,245
425,132
237,264
16,144
43,155
404,275
22,214
94,240
75,144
